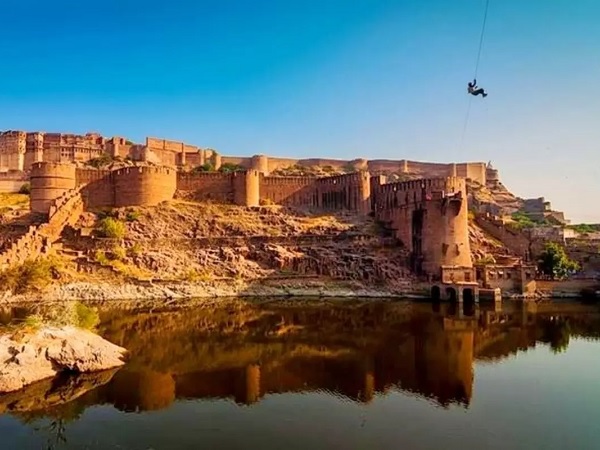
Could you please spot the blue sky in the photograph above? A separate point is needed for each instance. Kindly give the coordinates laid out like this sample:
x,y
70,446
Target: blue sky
x,y
331,78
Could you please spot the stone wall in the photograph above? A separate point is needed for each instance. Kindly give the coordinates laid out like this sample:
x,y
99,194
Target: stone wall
x,y
144,186
98,187
64,210
517,242
289,191
211,186
12,181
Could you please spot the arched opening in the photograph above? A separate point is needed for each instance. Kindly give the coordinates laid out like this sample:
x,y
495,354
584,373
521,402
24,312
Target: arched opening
x,y
468,295
451,294
436,293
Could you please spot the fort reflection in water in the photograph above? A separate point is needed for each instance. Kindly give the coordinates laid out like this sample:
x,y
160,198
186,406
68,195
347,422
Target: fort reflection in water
x,y
248,351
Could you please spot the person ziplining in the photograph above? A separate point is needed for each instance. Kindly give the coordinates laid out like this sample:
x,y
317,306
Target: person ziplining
x,y
475,90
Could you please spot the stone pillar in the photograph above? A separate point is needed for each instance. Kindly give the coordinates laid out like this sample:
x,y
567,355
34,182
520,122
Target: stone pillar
x,y
182,156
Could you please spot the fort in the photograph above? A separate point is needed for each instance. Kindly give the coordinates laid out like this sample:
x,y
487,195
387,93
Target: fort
x,y
425,213
19,150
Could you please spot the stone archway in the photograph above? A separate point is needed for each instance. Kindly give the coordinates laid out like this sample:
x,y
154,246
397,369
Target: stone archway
x,y
451,294
468,295
436,293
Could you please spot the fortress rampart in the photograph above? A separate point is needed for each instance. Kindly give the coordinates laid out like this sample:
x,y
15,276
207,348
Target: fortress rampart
x,y
429,216
19,150
143,185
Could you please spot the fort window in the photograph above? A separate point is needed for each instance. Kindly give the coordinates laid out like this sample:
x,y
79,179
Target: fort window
x,y
508,275
467,276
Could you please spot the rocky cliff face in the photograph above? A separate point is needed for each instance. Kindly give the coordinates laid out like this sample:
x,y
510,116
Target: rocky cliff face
x,y
49,351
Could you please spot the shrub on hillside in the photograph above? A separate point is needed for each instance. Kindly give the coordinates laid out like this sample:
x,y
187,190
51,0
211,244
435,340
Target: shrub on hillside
x,y
31,275
112,228
25,189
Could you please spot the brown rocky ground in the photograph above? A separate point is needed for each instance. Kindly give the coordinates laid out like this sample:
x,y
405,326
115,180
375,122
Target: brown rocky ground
x,y
209,243
500,198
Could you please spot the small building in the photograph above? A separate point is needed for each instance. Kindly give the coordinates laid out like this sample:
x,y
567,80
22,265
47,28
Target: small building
x,y
517,278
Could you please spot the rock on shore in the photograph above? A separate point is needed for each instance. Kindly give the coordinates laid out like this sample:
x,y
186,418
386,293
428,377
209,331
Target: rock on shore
x,y
49,351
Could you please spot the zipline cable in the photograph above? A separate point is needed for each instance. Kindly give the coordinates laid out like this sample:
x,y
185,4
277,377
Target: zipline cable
x,y
487,7
485,14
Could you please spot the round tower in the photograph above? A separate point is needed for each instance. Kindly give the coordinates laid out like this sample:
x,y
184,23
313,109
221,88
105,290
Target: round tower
x,y
144,186
260,163
446,232
246,188
216,160
48,182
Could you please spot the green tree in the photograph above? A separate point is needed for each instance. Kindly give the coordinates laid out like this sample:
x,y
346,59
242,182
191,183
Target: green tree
x,y
229,168
555,263
206,167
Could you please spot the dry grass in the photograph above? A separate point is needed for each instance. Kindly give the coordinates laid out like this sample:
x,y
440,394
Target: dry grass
x,y
14,201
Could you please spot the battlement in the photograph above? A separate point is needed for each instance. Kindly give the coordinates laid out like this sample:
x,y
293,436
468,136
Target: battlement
x,y
148,170
284,181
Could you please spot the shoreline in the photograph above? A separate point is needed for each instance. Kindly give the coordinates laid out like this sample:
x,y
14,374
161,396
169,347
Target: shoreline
x,y
166,290
86,291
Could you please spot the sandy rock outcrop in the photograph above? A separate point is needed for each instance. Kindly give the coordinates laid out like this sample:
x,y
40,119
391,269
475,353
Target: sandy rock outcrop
x,y
50,351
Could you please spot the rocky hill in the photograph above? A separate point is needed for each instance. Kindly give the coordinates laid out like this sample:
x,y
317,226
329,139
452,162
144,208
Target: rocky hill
x,y
201,242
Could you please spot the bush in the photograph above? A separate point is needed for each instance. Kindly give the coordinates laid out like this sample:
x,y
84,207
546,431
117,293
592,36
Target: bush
x,y
29,276
101,258
132,216
25,189
229,168
206,167
112,228
119,252
135,250
100,161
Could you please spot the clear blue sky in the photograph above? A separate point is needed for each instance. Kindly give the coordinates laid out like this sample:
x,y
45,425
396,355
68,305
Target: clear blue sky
x,y
332,78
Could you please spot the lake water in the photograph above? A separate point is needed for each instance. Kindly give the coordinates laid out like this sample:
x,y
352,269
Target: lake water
x,y
334,375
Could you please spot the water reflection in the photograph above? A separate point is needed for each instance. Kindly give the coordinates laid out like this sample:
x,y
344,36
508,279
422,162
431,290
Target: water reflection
x,y
247,351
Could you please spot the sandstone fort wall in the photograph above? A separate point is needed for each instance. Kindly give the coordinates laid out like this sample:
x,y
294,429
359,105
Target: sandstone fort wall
x,y
289,191
207,186
429,216
98,188
136,186
12,181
